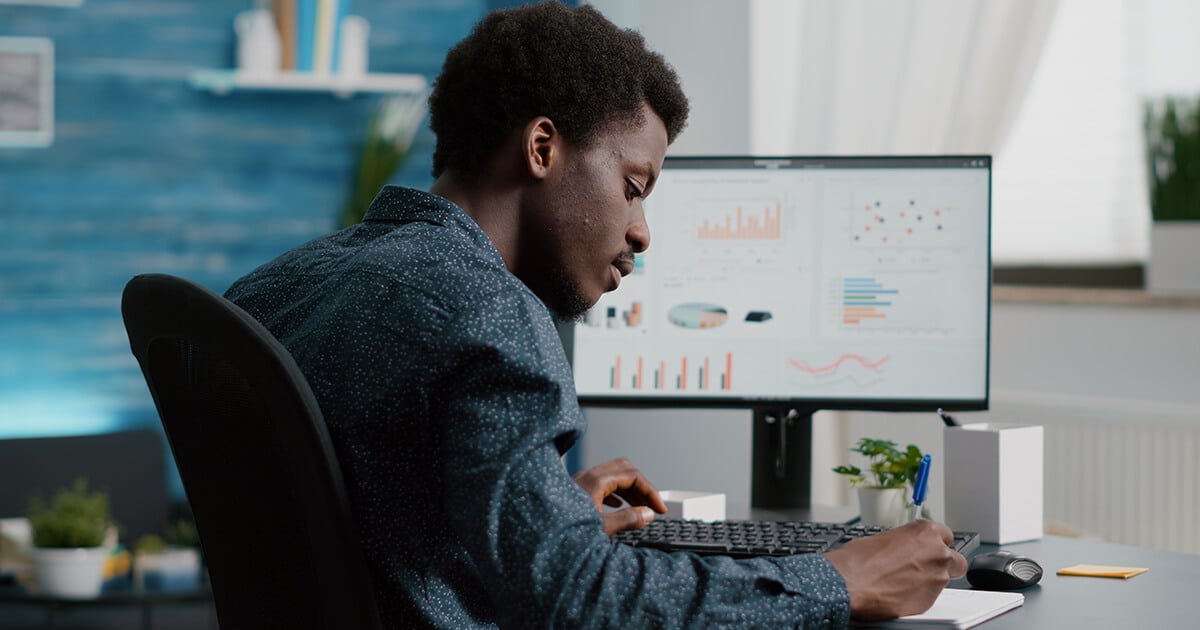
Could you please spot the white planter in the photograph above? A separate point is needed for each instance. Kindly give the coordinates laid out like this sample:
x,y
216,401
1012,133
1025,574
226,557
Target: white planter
x,y
882,506
70,573
175,570
1174,264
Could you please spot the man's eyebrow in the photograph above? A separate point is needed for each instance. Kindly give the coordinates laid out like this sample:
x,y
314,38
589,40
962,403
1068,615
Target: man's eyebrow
x,y
651,176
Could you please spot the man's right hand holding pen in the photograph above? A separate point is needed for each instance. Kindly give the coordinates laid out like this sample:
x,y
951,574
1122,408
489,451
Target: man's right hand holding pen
x,y
900,571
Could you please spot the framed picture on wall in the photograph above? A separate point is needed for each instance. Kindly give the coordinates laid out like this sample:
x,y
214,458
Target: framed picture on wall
x,y
26,92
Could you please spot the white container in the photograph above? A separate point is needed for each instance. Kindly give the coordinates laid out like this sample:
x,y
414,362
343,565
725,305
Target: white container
x,y
993,479
71,573
352,51
258,47
701,506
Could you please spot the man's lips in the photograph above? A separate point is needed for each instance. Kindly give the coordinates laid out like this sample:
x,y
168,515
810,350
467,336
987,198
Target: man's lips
x,y
624,265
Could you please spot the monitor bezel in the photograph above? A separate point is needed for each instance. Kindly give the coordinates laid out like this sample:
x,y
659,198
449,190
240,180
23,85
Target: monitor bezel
x,y
816,403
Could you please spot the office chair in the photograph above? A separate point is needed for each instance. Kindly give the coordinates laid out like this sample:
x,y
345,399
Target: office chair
x,y
255,458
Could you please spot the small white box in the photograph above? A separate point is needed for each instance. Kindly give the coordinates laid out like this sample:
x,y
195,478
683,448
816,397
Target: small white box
x,y
993,480
701,506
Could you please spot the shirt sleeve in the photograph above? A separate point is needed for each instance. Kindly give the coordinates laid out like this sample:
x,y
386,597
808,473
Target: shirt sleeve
x,y
506,407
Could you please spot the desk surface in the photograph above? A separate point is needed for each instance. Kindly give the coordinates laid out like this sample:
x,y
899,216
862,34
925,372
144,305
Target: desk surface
x,y
1166,596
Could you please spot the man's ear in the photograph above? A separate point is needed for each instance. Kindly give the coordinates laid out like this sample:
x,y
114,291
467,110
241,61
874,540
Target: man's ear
x,y
541,146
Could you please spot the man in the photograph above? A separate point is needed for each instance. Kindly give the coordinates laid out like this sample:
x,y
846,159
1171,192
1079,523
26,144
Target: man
x,y
426,335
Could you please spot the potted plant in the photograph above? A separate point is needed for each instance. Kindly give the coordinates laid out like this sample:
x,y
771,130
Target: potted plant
x,y
883,495
1172,128
168,564
69,535
390,134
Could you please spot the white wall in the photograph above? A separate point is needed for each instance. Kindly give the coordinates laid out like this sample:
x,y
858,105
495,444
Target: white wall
x,y
1110,364
707,42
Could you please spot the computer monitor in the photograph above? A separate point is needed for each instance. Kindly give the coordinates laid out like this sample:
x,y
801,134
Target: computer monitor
x,y
788,285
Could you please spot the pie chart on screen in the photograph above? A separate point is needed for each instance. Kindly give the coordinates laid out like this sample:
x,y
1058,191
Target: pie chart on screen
x,y
697,315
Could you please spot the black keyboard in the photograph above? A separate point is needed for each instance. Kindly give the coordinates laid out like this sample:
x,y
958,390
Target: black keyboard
x,y
749,539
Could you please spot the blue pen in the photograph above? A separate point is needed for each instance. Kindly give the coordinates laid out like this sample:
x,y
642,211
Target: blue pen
x,y
919,487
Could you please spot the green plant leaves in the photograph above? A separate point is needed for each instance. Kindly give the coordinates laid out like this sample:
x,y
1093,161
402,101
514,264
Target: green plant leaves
x,y
75,518
889,466
389,137
1172,128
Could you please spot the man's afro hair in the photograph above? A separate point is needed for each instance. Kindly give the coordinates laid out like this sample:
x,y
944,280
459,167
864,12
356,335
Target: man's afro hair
x,y
569,64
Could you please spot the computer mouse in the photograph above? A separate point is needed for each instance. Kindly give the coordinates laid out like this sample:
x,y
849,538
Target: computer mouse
x,y
1003,571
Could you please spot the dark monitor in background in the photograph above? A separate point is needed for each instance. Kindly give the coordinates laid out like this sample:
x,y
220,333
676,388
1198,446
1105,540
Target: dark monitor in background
x,y
788,285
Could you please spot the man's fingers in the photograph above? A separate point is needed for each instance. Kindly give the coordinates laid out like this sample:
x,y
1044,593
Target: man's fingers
x,y
642,492
960,566
629,518
621,478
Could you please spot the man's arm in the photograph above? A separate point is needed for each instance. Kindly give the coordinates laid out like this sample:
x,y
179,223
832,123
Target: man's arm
x,y
536,538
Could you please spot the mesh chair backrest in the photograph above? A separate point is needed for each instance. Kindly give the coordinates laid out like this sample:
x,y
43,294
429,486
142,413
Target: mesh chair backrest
x,y
255,458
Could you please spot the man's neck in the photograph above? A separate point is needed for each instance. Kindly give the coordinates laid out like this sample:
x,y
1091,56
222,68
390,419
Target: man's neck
x,y
495,208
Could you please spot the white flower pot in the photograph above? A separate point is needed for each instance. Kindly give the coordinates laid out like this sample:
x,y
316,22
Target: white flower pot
x,y
70,573
882,506
1174,264
174,570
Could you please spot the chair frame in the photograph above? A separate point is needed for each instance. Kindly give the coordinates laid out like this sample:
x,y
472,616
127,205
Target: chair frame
x,y
256,461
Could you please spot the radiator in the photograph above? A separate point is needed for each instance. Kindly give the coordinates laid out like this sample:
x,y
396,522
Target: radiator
x,y
1119,470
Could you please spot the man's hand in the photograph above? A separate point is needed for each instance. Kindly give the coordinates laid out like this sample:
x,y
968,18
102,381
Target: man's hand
x,y
898,572
612,481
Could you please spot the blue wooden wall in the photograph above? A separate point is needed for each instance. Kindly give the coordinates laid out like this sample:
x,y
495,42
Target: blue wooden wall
x,y
148,175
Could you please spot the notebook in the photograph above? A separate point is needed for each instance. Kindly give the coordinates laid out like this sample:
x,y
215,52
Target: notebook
x,y
954,608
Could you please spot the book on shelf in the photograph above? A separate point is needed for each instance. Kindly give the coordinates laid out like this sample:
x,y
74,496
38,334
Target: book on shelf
x,y
286,22
318,26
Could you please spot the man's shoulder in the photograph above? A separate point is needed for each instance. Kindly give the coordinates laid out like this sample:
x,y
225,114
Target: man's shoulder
x,y
426,261
439,262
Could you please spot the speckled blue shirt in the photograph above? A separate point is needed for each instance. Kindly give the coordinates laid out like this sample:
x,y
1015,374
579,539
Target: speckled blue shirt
x,y
450,401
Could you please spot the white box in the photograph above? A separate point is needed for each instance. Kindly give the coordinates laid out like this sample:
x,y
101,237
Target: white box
x,y
686,504
993,480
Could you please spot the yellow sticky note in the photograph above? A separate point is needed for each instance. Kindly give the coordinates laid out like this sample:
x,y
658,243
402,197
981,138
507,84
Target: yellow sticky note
x,y
1100,570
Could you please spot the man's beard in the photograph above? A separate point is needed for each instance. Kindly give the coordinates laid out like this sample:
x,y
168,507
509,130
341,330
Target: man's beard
x,y
564,298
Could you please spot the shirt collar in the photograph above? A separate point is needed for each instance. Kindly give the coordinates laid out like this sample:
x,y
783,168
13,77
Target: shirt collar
x,y
397,204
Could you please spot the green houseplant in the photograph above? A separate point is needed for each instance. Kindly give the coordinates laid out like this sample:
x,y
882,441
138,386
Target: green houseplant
x,y
883,487
1172,128
69,540
389,136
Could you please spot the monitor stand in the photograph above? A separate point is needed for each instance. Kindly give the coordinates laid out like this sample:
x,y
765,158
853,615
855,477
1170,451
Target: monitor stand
x,y
782,458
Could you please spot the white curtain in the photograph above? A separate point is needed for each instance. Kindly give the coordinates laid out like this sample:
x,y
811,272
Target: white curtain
x,y
1050,88
1069,185
888,76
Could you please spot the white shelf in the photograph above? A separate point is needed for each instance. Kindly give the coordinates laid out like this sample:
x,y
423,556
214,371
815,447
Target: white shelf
x,y
223,82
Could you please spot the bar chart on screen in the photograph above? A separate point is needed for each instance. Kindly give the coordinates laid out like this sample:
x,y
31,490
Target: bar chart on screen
x,y
753,220
895,304
694,373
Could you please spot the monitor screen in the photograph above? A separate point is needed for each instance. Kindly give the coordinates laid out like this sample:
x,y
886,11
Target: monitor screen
x,y
819,282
